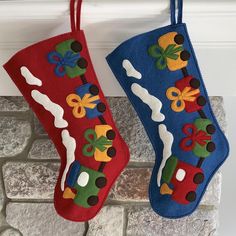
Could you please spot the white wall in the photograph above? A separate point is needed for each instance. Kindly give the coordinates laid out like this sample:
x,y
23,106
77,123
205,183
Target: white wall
x,y
210,25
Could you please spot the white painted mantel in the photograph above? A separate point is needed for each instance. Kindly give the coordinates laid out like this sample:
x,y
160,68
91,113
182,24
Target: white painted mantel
x,y
212,27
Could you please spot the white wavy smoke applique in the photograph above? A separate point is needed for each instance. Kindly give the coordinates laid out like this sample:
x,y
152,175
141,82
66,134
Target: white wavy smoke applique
x,y
130,70
55,109
167,139
154,103
29,77
70,145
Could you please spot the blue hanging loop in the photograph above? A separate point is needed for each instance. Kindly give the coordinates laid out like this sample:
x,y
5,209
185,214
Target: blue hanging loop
x,y
173,11
180,11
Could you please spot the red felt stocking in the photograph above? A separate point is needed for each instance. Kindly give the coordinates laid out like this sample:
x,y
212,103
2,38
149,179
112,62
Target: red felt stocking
x,y
57,79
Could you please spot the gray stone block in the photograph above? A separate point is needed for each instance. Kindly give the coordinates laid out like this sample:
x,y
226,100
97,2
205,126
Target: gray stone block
x,y
1,195
132,185
142,221
43,149
30,180
37,219
109,222
131,130
14,136
38,128
10,232
213,192
13,104
217,104
203,222
3,222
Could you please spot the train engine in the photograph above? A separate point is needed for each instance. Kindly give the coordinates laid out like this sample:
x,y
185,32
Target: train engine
x,y
169,52
68,60
183,179
186,95
86,102
100,143
83,185
199,138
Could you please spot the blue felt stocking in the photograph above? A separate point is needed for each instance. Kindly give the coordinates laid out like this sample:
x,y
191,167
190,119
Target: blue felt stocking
x,y
159,72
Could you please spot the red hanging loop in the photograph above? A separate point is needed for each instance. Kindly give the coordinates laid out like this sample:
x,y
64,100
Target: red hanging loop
x,y
75,22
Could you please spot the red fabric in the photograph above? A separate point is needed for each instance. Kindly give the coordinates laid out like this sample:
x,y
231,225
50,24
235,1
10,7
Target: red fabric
x,y
189,106
75,23
57,89
193,136
182,188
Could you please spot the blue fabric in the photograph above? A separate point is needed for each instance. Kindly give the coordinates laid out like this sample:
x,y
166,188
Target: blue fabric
x,y
73,174
180,15
157,82
69,59
173,11
83,90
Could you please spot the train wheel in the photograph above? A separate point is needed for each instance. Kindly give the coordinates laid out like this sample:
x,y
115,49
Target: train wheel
x,y
111,152
92,201
185,55
111,134
211,147
101,107
194,83
198,178
179,39
210,129
101,182
82,63
76,46
201,101
191,196
94,90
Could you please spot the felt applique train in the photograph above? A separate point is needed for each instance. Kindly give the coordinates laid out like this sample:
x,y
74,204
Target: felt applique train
x,y
68,60
183,176
180,179
82,183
